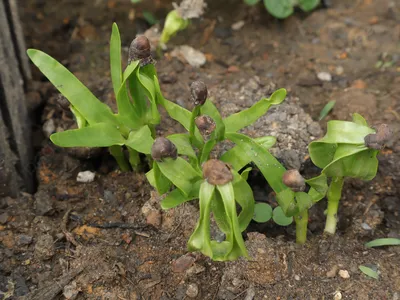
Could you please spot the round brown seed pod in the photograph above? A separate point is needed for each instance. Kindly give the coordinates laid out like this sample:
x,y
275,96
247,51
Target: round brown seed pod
x,y
199,92
378,140
217,172
205,124
140,49
293,180
163,148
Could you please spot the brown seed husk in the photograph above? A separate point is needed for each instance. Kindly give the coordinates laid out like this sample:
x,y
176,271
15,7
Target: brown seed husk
x,y
163,148
206,125
217,172
379,139
140,49
293,180
199,92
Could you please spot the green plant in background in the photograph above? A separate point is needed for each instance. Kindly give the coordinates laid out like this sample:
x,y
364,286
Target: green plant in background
x,y
282,9
98,126
173,23
348,149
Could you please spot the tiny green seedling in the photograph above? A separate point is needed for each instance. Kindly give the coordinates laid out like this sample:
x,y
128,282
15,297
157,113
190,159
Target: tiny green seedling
x,y
348,149
282,9
383,242
369,272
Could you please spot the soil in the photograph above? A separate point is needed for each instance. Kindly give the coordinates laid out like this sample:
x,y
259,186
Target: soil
x,y
109,239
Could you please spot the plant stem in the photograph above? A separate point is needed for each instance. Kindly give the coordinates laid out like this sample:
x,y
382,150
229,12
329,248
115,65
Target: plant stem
x,y
301,226
118,154
334,194
134,159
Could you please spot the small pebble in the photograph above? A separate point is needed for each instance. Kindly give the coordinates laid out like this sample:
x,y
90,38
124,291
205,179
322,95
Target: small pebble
x,y
154,218
182,263
337,296
49,127
192,290
344,274
4,218
324,76
297,277
332,272
85,177
339,70
365,226
23,240
238,25
194,57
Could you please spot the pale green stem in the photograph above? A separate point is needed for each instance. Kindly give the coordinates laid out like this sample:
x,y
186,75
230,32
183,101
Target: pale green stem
x,y
134,159
117,152
301,227
334,194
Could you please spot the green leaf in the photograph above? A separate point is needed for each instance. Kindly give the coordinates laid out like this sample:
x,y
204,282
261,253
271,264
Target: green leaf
x,y
251,2
182,143
176,197
141,140
244,197
92,109
126,110
96,135
327,108
80,120
383,242
359,119
161,183
228,198
269,166
280,218
308,5
319,187
280,9
369,272
286,201
150,90
245,173
115,59
304,201
180,173
200,238
262,212
238,161
209,109
220,215
173,23
248,116
205,153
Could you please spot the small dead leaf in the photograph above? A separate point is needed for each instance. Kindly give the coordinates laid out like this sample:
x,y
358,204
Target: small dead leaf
x,y
87,232
359,84
343,55
374,20
233,69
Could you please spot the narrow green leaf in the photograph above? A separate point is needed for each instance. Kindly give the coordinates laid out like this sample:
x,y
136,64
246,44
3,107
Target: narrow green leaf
x,y
280,218
149,17
162,183
150,90
92,109
359,119
205,153
80,120
141,140
383,242
176,197
369,272
327,108
182,143
238,161
200,238
180,173
115,59
244,197
262,212
96,135
248,116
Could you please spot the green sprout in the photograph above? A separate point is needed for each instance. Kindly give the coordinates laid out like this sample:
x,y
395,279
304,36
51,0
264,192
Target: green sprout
x,y
173,23
348,149
282,9
135,92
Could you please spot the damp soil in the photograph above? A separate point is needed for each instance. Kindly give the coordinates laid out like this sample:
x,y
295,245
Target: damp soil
x,y
109,239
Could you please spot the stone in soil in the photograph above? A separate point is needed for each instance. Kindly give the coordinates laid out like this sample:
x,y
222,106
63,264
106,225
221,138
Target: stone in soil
x,y
43,203
192,290
44,247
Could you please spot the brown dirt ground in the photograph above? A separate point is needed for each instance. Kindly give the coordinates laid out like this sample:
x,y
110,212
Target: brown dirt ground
x,y
151,262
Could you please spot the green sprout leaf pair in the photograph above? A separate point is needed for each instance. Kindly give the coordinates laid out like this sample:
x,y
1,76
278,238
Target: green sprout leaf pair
x,y
282,9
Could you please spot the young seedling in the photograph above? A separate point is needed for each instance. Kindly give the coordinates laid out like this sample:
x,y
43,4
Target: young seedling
x,y
348,149
173,24
135,92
